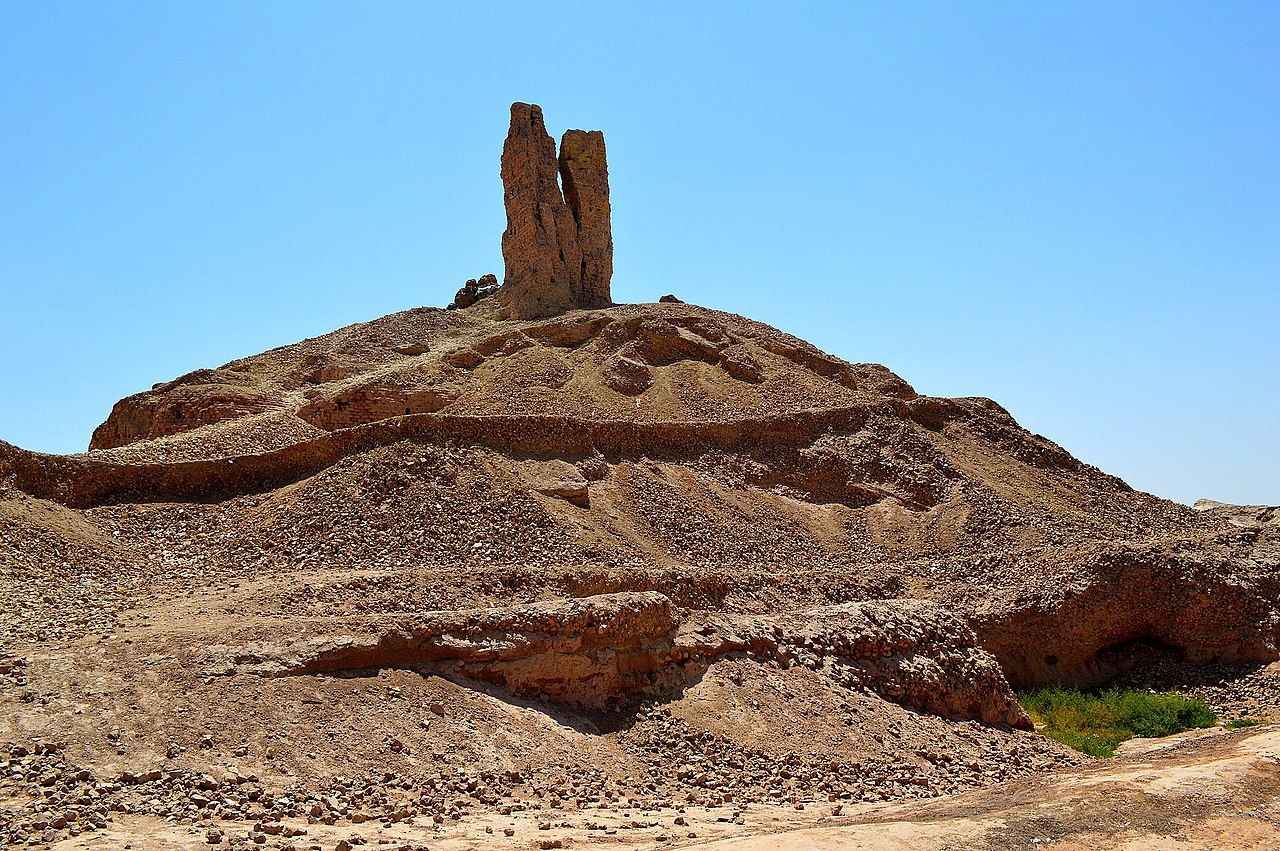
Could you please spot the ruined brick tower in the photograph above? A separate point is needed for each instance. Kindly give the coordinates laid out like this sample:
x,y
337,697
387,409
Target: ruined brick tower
x,y
557,248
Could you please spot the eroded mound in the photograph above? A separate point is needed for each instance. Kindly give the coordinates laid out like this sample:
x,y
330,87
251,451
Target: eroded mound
x,y
430,438
664,552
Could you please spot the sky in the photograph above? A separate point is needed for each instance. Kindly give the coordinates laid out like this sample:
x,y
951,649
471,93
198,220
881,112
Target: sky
x,y
1071,208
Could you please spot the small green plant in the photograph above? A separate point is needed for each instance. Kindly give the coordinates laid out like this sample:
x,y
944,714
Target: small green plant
x,y
1243,722
1097,722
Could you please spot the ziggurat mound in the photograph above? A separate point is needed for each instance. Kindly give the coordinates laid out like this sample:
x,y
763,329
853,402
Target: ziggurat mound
x,y
289,497
434,439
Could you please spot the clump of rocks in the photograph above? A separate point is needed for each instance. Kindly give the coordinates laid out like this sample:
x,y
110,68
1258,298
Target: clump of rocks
x,y
474,290
50,799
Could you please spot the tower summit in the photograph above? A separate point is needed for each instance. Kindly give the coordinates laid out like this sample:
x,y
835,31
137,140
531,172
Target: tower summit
x,y
558,246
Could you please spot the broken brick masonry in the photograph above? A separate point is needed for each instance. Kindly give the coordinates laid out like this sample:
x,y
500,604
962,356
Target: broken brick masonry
x,y
558,247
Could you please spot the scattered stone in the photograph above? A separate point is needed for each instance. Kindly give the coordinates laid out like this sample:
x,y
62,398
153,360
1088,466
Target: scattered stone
x,y
474,290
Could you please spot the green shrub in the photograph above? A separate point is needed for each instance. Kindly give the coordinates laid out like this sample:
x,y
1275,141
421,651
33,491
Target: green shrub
x,y
1097,722
1094,744
1243,722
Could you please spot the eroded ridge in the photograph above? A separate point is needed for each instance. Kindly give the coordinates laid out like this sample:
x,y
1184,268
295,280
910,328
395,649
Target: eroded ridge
x,y
605,649
82,482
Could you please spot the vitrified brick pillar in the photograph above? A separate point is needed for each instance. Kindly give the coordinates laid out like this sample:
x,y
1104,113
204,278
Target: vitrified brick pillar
x,y
557,248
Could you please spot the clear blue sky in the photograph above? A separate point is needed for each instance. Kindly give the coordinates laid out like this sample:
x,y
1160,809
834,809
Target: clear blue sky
x,y
1071,208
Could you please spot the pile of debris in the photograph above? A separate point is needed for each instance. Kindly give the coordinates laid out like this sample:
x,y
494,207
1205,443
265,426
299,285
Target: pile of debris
x,y
474,290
